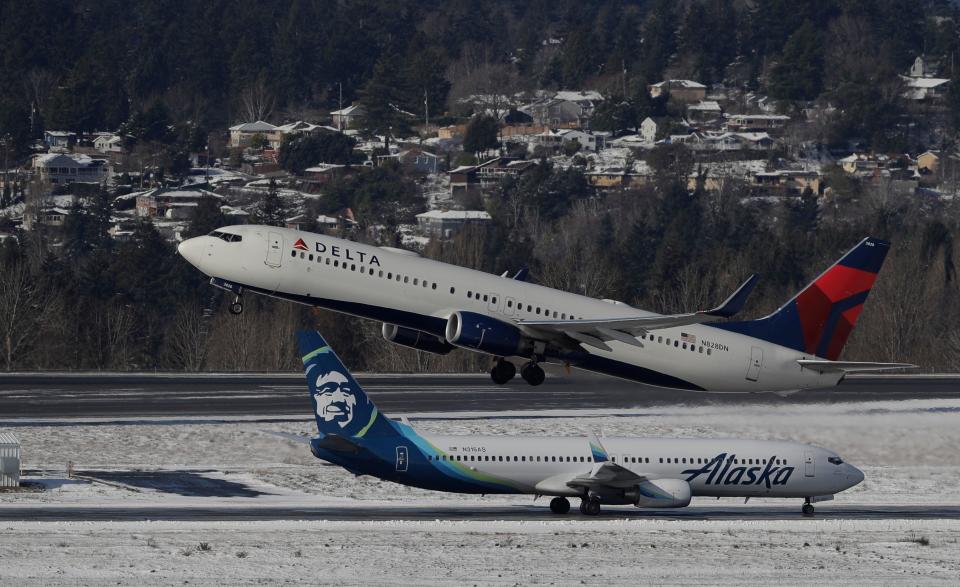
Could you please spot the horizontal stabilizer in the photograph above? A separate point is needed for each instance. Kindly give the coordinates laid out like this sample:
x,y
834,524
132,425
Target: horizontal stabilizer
x,y
288,436
849,366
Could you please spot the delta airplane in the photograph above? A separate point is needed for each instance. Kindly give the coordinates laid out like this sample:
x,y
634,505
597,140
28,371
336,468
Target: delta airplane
x,y
436,307
645,472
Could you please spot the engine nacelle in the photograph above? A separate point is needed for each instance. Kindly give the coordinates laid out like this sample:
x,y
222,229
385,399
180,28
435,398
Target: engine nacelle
x,y
415,339
660,493
489,335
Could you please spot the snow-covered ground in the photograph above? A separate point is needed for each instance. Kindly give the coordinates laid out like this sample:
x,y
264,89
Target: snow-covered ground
x,y
907,449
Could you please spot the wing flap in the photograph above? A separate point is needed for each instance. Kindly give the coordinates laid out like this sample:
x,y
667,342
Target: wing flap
x,y
628,328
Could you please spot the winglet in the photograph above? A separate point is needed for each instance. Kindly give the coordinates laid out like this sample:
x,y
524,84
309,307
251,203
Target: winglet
x,y
522,274
732,305
597,451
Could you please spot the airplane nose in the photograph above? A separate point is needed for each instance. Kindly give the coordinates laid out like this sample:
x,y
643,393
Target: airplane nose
x,y
191,250
855,476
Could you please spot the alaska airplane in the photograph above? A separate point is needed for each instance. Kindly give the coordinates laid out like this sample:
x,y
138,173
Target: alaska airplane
x,y
436,307
645,472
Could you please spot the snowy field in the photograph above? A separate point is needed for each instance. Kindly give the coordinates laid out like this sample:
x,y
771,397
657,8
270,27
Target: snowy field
x,y
908,451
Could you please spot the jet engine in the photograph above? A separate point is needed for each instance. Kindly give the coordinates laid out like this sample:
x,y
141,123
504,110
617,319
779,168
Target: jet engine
x,y
660,493
486,334
415,339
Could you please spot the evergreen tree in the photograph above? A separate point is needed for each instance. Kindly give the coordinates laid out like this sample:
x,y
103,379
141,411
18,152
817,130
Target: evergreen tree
x,y
207,217
798,75
382,98
271,210
481,134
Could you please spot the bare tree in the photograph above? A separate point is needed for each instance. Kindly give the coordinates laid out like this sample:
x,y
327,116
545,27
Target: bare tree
x,y
40,85
257,100
24,308
188,340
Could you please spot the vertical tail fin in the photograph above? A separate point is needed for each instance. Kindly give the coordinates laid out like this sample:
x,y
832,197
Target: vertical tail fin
x,y
339,403
820,318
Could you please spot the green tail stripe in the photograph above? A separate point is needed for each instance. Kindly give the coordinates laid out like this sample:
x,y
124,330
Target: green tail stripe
x,y
373,416
312,354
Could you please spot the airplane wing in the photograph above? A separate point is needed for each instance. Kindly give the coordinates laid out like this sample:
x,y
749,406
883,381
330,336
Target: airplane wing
x,y
598,332
849,366
604,473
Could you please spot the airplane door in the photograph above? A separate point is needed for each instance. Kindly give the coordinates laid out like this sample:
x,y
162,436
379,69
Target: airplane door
x,y
401,459
808,463
494,303
274,249
508,307
756,361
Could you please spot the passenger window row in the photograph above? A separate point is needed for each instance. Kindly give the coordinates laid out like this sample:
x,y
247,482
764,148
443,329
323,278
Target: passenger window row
x,y
568,459
487,298
676,344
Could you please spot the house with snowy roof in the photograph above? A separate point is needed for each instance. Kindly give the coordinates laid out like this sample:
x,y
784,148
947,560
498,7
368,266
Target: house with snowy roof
x,y
445,224
679,90
61,169
242,134
348,117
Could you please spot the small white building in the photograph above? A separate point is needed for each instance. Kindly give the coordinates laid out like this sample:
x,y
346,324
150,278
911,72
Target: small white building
x,y
9,460
108,143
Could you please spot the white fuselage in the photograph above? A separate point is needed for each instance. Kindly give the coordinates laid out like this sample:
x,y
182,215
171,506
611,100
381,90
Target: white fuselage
x,y
712,467
402,288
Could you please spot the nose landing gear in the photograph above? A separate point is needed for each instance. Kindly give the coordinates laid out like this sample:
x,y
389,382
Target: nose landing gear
x,y
502,371
807,509
236,308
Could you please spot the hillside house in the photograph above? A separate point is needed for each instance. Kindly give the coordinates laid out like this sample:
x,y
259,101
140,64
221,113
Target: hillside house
x,y
679,90
769,123
61,169
60,139
445,224
108,143
349,117
242,134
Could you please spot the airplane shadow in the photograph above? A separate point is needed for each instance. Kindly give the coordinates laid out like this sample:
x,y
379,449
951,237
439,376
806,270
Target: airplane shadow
x,y
186,483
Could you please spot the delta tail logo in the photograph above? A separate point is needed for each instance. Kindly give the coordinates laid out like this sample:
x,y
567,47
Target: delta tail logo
x,y
300,245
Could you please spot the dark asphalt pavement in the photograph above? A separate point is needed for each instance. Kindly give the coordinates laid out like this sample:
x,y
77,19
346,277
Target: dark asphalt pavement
x,y
56,513
138,395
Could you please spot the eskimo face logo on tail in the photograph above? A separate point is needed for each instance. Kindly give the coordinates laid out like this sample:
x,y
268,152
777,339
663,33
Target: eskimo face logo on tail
x,y
721,470
300,245
335,399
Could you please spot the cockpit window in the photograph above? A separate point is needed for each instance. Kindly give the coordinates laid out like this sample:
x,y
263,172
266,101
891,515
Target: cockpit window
x,y
835,460
226,236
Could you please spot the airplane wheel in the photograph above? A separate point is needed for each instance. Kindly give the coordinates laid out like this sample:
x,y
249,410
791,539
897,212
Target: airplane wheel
x,y
592,507
502,372
236,308
583,506
559,505
532,373
807,510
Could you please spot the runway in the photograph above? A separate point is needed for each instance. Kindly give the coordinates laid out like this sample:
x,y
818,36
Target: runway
x,y
138,395
532,513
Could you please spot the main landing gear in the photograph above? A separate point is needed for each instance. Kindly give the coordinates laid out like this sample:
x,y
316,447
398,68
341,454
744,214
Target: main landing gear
x,y
559,505
807,509
532,373
502,371
590,506
236,308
